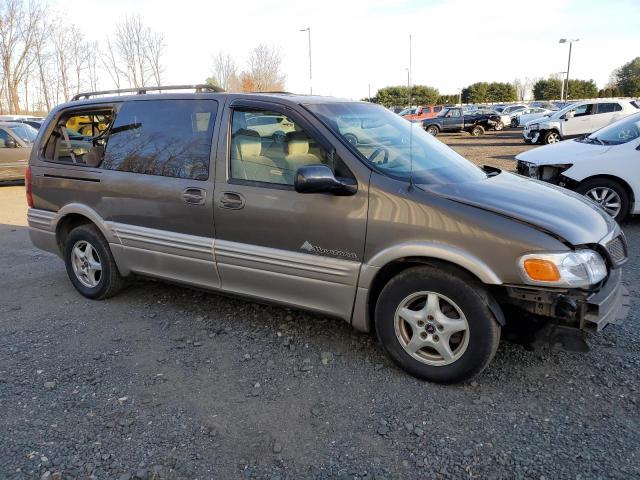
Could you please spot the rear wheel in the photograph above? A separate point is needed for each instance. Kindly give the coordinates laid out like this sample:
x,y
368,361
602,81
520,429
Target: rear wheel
x,y
551,137
477,131
436,325
90,264
609,194
433,130
351,138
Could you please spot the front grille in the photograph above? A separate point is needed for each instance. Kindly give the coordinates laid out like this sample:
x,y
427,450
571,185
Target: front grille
x,y
617,249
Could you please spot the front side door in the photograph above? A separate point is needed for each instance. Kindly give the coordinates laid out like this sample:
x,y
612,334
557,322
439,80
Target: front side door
x,y
272,242
453,120
580,123
157,188
14,157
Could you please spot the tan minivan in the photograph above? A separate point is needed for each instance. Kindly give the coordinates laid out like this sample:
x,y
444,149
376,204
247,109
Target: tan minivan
x,y
398,234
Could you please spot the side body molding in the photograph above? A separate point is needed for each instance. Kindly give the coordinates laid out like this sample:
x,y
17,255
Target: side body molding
x,y
360,318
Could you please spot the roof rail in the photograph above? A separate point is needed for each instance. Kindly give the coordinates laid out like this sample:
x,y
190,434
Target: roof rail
x,y
143,90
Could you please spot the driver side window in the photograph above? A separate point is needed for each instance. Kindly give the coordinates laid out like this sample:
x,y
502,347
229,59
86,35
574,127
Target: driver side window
x,y
269,147
5,139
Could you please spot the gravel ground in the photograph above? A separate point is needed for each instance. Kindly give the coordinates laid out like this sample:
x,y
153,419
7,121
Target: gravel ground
x,y
165,382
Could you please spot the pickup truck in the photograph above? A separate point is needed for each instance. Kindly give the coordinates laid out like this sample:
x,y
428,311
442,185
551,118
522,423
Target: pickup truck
x,y
455,119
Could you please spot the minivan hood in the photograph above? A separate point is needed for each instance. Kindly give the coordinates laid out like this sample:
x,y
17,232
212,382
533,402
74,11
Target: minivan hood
x,y
569,151
555,210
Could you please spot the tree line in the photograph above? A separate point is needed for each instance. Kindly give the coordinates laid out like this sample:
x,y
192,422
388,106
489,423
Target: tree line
x,y
624,82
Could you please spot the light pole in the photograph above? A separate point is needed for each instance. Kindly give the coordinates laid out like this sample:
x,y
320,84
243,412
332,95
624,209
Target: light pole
x,y
308,30
408,86
562,85
570,40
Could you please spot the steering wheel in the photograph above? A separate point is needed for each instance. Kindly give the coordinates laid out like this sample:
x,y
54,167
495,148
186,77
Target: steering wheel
x,y
377,152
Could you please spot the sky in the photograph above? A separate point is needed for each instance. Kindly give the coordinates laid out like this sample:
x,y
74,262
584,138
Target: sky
x,y
360,44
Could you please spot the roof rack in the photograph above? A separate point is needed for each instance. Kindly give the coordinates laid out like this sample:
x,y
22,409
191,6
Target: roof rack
x,y
199,88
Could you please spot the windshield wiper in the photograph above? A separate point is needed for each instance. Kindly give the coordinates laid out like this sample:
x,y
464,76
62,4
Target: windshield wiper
x,y
596,140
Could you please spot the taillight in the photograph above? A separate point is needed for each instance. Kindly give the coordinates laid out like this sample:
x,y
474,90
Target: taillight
x,y
27,185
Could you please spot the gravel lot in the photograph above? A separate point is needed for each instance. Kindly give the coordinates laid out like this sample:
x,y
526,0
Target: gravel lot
x,y
165,382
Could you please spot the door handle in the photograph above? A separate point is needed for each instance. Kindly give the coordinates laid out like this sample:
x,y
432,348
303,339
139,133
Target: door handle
x,y
194,196
232,200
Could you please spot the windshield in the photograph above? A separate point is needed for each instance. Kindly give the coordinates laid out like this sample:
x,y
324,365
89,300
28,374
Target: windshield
x,y
407,111
391,145
617,133
26,133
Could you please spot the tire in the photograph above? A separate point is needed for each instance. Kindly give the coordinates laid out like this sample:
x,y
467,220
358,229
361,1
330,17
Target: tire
x,y
472,348
499,126
527,141
604,191
514,123
92,285
432,130
551,137
477,131
351,138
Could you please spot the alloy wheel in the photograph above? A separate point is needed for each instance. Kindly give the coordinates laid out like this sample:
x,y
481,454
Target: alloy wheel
x,y
86,264
431,328
607,198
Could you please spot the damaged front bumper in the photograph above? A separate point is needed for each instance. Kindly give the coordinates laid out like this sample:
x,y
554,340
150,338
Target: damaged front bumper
x,y
575,308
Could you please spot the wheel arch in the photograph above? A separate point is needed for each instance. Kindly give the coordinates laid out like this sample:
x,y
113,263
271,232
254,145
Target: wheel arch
x,y
383,267
73,215
621,181
435,125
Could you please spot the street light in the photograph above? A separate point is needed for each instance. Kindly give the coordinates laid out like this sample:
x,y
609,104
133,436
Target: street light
x,y
561,84
570,40
308,30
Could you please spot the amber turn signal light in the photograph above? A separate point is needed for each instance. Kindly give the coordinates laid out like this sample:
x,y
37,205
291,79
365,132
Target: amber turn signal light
x,y
541,270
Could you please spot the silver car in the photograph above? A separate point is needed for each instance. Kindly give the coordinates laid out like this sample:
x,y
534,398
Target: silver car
x,y
16,140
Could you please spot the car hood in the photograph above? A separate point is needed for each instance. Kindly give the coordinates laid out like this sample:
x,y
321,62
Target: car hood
x,y
569,151
552,209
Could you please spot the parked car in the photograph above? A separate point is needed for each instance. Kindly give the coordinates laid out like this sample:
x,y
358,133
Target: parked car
x,y
455,119
602,166
408,111
581,118
400,233
422,113
16,140
520,117
511,109
274,126
32,123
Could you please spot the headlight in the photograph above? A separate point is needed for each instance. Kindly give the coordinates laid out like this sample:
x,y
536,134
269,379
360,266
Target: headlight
x,y
535,126
579,269
527,169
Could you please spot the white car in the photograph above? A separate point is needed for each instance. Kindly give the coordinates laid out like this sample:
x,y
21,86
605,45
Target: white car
x,y
528,114
581,118
604,166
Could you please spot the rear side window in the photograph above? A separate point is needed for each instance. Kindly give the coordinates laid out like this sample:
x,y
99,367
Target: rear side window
x,y
609,107
171,138
79,137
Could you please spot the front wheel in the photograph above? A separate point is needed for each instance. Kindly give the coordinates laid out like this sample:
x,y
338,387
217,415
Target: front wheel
x,y
551,137
436,325
477,131
499,126
90,264
433,130
609,194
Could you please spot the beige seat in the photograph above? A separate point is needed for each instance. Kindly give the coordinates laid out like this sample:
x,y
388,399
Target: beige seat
x,y
298,152
248,163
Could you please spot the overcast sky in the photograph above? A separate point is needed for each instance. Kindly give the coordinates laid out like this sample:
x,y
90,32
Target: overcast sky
x,y
356,43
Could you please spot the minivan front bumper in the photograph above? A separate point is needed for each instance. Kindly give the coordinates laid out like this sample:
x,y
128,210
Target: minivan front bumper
x,y
575,308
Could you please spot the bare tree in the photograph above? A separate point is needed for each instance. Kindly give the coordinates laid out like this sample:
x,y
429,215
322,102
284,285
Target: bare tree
x,y
92,65
43,58
264,72
79,53
19,26
522,86
224,71
155,49
110,63
139,51
62,41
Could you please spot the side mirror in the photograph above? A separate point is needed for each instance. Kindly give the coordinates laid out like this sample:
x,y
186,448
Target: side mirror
x,y
569,115
320,179
10,143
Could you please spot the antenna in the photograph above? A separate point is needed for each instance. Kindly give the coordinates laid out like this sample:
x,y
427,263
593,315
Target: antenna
x,y
411,124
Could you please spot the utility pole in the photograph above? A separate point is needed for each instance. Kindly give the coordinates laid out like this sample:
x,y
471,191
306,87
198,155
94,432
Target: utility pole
x,y
308,30
369,97
564,40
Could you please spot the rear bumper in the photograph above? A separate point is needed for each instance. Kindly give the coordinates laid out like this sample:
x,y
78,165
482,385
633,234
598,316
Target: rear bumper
x,y
609,305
